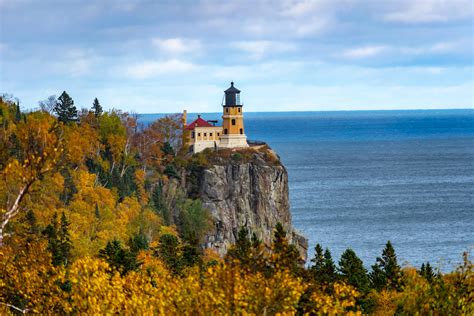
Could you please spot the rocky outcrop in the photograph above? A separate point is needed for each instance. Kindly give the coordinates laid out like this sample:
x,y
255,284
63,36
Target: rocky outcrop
x,y
247,188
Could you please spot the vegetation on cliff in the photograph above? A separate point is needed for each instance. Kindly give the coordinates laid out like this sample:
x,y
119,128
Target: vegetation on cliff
x,y
94,219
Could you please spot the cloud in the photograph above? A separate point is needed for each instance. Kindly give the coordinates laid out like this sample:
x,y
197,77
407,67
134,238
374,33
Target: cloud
x,y
175,46
430,11
257,49
363,52
149,69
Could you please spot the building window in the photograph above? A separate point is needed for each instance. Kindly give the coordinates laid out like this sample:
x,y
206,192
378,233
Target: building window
x,y
233,121
227,110
210,134
218,134
241,131
225,131
193,135
199,134
205,134
239,110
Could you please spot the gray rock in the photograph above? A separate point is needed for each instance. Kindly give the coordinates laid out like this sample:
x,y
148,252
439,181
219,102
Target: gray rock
x,y
251,193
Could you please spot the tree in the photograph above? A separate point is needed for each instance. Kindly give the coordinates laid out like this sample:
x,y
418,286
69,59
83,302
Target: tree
x,y
241,250
65,109
323,270
168,252
194,221
285,256
119,257
352,270
49,104
386,272
427,272
59,241
97,108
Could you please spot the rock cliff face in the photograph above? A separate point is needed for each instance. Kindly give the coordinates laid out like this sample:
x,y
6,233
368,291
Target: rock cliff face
x,y
248,189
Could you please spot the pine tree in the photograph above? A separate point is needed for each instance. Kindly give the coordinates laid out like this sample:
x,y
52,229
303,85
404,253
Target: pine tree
x,y
18,113
59,241
138,241
65,108
159,205
167,149
285,256
427,272
241,251
168,252
386,272
352,271
97,108
119,257
323,269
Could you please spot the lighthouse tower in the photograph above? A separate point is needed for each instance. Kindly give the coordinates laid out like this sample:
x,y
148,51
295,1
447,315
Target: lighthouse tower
x,y
233,133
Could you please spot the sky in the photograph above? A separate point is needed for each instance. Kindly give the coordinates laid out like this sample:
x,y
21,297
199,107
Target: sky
x,y
147,56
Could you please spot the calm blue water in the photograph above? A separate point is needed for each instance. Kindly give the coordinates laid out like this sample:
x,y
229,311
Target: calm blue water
x,y
358,179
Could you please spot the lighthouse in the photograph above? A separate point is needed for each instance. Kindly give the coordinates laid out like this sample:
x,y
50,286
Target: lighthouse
x,y
233,133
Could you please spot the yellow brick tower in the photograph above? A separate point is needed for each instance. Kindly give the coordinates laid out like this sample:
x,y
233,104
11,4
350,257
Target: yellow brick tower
x,y
233,133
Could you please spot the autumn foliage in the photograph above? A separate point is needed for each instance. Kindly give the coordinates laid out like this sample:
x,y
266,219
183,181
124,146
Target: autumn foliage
x,y
95,220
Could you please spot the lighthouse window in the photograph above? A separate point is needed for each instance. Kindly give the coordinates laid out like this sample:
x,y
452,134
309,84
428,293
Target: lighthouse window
x,y
225,131
227,110
239,110
233,121
241,131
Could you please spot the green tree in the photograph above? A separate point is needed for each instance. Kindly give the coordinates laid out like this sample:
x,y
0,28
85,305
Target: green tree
x,y
386,272
59,241
242,248
159,205
194,221
119,257
139,241
285,255
97,108
168,251
323,269
352,271
167,149
65,109
427,272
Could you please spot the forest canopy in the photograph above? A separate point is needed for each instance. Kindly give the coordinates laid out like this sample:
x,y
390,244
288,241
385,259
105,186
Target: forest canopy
x,y
94,219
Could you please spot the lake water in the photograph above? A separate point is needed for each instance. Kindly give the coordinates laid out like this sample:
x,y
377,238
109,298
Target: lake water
x,y
360,178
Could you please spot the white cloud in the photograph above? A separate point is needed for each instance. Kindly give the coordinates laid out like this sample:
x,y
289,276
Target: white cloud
x,y
76,62
429,11
149,69
257,49
176,46
363,52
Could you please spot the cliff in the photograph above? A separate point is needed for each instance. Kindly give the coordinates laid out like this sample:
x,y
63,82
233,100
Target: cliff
x,y
244,188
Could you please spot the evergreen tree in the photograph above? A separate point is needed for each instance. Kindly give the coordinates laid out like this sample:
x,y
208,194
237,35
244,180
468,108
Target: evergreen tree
x,y
18,112
65,109
167,149
159,205
323,269
168,252
353,272
386,272
119,257
427,272
138,241
59,241
97,108
241,251
286,256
